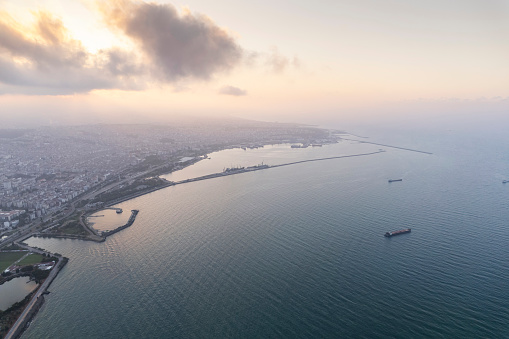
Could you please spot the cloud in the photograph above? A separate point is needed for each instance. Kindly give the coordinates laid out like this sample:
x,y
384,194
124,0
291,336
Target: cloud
x,y
43,59
178,45
278,63
231,90
170,47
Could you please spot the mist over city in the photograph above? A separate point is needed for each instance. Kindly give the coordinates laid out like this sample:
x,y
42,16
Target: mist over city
x,y
254,169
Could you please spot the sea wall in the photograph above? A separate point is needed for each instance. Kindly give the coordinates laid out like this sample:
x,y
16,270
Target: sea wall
x,y
35,307
131,220
35,304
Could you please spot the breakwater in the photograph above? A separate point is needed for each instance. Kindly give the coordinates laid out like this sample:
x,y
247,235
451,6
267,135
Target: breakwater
x,y
232,172
131,220
397,147
102,236
262,167
229,172
329,158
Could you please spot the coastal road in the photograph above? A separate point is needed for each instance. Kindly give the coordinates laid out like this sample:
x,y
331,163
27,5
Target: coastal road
x,y
92,232
30,229
31,249
93,194
23,317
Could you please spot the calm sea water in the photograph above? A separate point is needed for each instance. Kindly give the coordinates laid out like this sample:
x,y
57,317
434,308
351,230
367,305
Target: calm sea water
x,y
299,251
15,290
107,220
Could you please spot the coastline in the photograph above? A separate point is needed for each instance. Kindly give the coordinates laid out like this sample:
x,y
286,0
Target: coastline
x,y
37,300
104,235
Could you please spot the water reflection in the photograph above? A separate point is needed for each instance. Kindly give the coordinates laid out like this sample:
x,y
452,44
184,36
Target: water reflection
x,y
15,290
105,220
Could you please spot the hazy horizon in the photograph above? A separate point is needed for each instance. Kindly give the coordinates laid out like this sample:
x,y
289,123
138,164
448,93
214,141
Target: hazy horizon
x,y
76,62
268,152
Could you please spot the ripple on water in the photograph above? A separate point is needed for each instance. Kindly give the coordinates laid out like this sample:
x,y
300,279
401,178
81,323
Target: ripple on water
x,y
296,252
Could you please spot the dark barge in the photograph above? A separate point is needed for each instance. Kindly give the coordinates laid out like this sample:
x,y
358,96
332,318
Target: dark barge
x,y
390,234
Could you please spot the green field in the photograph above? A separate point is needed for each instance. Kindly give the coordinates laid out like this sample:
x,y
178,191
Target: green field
x,y
31,259
8,258
73,228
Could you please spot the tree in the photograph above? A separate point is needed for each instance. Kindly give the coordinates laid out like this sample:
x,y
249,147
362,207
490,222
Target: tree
x,y
39,274
28,268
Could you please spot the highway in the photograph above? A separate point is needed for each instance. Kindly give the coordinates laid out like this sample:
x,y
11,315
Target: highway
x,y
30,229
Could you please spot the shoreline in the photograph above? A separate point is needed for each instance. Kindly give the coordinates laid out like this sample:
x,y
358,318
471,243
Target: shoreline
x,y
104,235
98,237
38,299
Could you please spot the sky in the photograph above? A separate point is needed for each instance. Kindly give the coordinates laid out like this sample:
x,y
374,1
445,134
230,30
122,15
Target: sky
x,y
72,61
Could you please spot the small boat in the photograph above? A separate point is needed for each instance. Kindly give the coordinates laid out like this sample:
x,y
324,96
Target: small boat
x,y
505,181
394,180
390,234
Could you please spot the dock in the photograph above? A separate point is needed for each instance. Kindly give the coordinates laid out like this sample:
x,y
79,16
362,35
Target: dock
x,y
117,209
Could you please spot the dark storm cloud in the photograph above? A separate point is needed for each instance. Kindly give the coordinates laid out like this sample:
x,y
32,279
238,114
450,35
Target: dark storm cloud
x,y
178,45
231,90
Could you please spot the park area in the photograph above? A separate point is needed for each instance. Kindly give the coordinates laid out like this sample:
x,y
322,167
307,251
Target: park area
x,y
9,258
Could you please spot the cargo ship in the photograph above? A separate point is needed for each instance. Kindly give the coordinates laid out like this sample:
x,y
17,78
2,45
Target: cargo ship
x,y
390,234
394,180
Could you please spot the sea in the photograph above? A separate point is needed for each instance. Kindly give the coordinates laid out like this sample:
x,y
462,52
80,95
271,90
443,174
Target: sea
x,y
299,251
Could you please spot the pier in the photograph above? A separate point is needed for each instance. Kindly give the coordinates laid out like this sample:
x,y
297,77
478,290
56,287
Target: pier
x,y
118,210
397,147
329,158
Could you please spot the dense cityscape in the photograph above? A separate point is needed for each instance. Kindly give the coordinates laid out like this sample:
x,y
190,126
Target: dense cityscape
x,y
43,169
